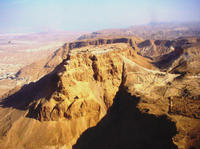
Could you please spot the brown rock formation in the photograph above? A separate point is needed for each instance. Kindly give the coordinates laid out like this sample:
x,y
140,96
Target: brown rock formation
x,y
103,95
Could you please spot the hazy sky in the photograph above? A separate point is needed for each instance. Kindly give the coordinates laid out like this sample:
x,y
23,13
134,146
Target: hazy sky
x,y
91,15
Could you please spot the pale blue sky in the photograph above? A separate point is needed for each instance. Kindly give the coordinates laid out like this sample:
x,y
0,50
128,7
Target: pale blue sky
x,y
91,15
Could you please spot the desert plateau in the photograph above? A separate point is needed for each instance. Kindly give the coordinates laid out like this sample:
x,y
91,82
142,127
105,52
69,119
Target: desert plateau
x,y
112,87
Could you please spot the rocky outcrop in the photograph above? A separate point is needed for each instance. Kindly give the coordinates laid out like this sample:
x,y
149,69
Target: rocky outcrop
x,y
89,82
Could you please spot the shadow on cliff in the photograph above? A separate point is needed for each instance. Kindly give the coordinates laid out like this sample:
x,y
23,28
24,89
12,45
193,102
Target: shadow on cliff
x,y
165,61
125,127
23,98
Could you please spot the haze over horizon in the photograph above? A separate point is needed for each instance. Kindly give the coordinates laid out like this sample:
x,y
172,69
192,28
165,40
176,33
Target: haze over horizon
x,y
18,16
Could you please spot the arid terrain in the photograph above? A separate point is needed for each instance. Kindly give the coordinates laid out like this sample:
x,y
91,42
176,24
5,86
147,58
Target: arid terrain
x,y
107,92
99,74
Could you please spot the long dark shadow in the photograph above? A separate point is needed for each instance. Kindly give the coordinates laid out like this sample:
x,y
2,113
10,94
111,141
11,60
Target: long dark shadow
x,y
125,127
23,98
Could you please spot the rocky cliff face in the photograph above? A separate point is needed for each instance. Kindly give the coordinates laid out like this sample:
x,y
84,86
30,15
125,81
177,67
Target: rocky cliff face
x,y
103,90
89,83
90,78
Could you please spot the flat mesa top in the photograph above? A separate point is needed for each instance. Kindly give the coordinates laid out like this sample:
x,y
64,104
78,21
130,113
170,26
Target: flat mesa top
x,y
100,49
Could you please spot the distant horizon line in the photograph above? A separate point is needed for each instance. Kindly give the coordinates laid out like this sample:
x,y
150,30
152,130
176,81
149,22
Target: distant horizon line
x,y
152,23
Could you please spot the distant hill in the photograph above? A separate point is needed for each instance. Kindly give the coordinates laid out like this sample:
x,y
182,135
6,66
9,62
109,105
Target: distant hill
x,y
161,31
